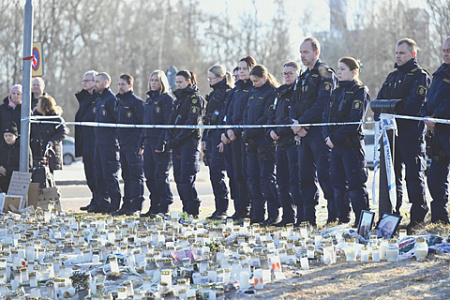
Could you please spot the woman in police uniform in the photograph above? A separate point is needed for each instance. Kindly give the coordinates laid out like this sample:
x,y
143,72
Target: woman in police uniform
x,y
220,80
261,147
187,110
157,158
348,103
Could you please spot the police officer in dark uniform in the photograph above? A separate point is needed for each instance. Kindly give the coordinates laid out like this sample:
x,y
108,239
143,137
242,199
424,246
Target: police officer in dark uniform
x,y
157,157
312,96
188,109
348,103
106,155
409,83
84,135
130,111
236,108
261,147
218,80
438,106
286,153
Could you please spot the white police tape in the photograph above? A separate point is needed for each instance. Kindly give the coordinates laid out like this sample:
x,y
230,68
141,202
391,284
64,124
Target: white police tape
x,y
42,120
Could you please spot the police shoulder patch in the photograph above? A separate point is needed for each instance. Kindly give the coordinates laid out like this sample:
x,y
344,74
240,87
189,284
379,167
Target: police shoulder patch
x,y
421,90
194,110
327,86
357,104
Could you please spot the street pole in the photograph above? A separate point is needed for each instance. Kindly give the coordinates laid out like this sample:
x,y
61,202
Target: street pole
x,y
26,87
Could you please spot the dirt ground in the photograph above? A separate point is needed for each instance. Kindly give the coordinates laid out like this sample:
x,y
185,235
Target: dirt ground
x,y
407,279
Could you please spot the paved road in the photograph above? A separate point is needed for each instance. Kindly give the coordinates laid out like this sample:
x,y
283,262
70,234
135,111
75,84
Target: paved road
x,y
75,193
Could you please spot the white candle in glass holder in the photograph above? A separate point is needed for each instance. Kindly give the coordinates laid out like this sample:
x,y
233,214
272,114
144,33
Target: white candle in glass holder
x,y
113,264
243,280
258,279
375,254
304,263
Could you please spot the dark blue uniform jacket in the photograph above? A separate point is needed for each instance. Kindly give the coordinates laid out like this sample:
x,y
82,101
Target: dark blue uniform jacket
x,y
312,94
84,135
188,110
105,112
235,113
157,111
130,111
348,103
438,96
409,83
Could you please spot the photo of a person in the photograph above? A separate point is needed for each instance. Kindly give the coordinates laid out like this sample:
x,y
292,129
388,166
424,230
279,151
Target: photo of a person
x,y
387,225
365,223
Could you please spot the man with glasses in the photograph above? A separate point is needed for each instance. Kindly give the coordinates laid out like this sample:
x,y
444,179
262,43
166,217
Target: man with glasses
x,y
313,91
84,135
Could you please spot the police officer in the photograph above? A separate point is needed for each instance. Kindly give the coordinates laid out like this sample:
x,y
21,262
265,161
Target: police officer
x,y
261,148
188,109
130,111
236,108
218,80
157,157
438,106
312,96
409,83
106,154
84,135
348,103
286,153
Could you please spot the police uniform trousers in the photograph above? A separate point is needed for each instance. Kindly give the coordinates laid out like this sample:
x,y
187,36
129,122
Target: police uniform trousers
x,y
107,165
242,203
349,177
287,182
314,168
133,177
227,152
185,168
261,178
411,152
89,173
437,176
156,170
217,172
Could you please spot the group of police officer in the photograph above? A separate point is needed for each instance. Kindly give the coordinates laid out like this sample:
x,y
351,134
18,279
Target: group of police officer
x,y
303,153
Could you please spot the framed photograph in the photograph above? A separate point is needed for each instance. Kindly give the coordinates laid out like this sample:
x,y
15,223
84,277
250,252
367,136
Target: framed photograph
x,y
387,225
365,223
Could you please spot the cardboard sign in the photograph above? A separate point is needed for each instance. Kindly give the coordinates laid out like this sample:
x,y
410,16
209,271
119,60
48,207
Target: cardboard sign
x,y
20,181
44,196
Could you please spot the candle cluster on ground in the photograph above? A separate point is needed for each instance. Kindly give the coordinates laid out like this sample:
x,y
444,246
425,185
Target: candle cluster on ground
x,y
51,255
